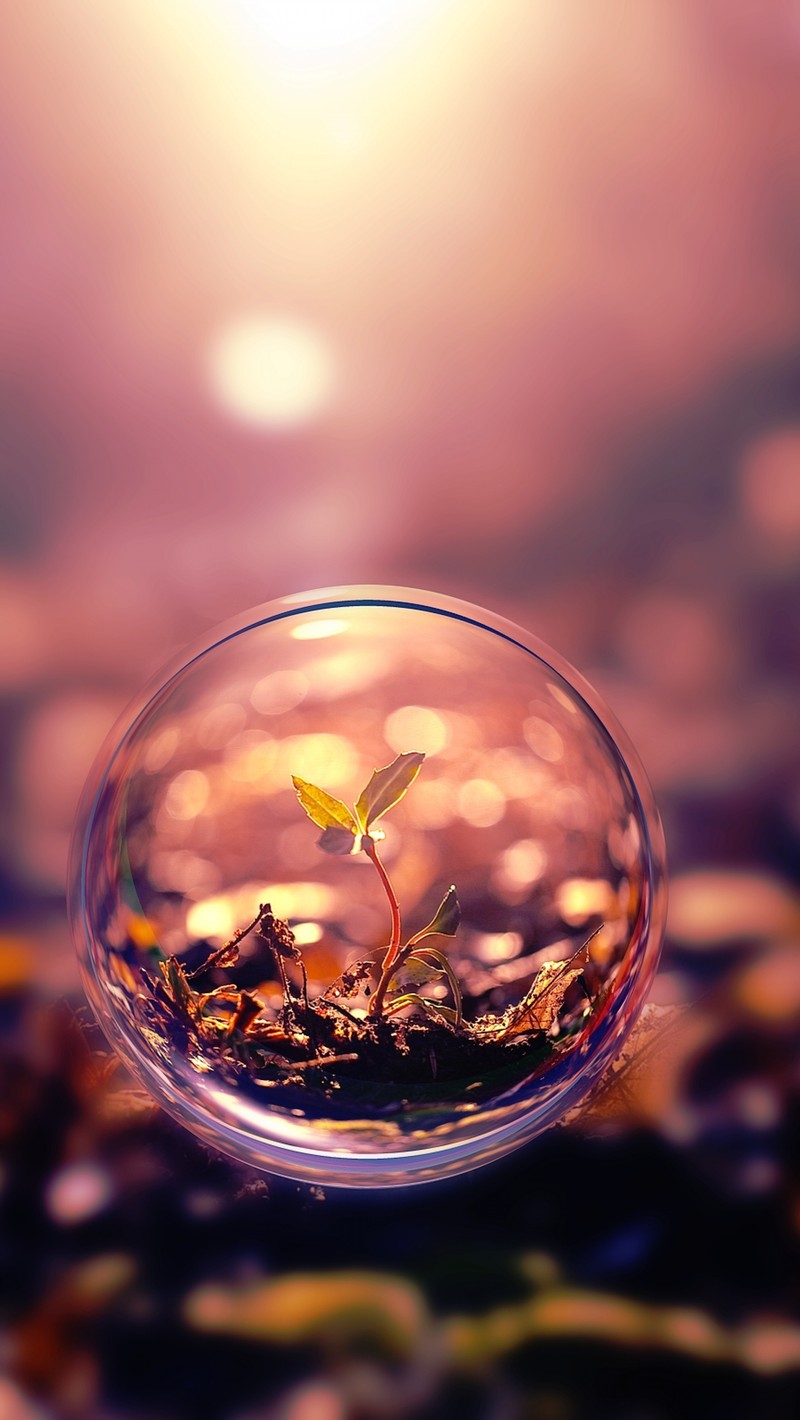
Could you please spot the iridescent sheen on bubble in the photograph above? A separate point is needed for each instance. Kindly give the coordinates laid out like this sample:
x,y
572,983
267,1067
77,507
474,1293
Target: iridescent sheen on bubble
x,y
531,800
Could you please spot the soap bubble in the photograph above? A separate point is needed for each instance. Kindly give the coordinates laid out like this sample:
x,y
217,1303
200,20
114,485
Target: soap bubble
x,y
325,1043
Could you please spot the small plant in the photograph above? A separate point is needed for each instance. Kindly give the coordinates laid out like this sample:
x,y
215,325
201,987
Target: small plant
x,y
403,1035
347,833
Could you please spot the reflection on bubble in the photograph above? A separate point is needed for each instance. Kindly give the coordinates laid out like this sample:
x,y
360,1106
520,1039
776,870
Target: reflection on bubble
x,y
319,630
161,749
543,739
279,692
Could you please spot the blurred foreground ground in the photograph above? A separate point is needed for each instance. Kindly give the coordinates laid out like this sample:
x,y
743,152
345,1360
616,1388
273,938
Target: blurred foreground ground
x,y
525,284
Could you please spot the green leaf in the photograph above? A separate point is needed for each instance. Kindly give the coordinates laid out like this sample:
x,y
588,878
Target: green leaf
x,y
446,920
387,787
414,971
322,808
340,841
431,1008
445,967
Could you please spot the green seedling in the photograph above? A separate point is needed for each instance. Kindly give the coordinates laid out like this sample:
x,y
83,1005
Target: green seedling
x,y
346,832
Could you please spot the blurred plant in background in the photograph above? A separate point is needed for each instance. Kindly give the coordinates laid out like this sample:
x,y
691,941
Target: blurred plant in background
x,y
503,300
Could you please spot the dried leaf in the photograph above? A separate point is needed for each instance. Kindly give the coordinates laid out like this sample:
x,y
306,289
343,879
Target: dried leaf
x,y
179,989
322,808
277,934
387,787
546,996
222,958
246,1011
355,976
340,841
227,956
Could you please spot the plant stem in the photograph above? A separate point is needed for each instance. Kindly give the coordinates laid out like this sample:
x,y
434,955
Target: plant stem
x,y
376,1004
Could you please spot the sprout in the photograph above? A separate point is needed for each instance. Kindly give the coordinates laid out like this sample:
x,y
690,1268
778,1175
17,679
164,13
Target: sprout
x,y
346,833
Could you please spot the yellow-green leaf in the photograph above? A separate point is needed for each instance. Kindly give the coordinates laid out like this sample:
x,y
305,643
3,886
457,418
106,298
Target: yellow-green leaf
x,y
387,787
322,808
446,919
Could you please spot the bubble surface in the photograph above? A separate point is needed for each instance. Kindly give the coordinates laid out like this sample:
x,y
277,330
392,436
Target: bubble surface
x,y
529,801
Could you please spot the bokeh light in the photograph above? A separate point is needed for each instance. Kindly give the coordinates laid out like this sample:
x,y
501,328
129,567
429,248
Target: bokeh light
x,y
272,372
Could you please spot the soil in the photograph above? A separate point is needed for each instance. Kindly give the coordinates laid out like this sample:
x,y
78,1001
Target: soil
x,y
320,1046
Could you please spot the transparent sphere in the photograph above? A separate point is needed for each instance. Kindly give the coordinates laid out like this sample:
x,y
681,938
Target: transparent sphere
x,y
367,979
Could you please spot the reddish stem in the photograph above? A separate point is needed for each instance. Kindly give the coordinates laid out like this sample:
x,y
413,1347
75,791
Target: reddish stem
x,y
376,1004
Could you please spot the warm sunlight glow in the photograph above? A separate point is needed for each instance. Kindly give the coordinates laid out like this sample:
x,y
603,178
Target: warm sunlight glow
x,y
305,33
271,371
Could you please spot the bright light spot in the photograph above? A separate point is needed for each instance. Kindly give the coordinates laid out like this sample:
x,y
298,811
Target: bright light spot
x,y
494,947
348,138
306,933
319,630
580,898
415,726
714,907
250,756
271,372
324,759
481,803
279,692
187,795
218,917
303,900
543,739
78,1192
210,919
302,33
523,863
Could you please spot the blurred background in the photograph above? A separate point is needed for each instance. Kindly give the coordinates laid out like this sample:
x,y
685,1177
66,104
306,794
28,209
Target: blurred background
x,y
497,300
